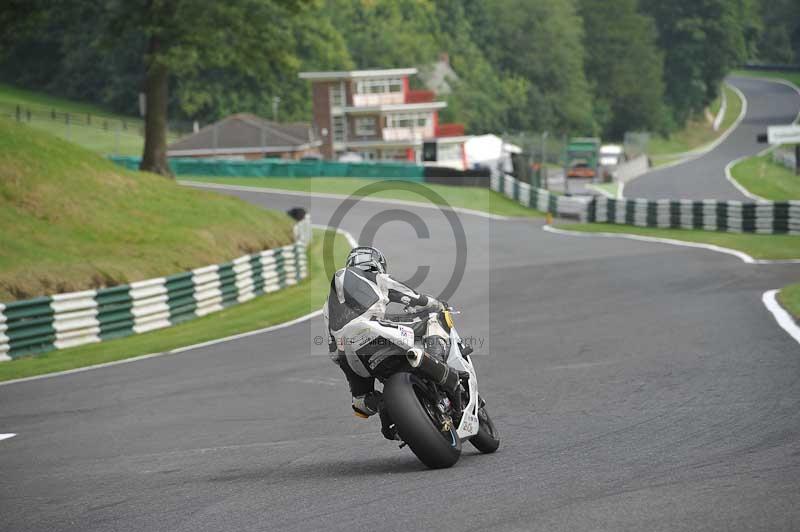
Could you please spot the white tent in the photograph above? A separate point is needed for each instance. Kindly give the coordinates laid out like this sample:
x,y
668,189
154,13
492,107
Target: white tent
x,y
490,151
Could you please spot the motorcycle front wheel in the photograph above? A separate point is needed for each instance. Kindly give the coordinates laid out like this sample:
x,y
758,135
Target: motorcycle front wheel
x,y
487,440
415,416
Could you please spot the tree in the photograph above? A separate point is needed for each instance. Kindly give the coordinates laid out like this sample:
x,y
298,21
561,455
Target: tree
x,y
702,40
539,43
185,37
624,66
779,41
107,51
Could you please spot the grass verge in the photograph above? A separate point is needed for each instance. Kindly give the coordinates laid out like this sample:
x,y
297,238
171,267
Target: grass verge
x,y
479,199
762,177
789,297
266,310
72,220
610,189
697,133
768,247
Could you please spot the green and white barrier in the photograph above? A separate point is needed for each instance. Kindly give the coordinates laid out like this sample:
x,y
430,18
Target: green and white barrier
x,y
778,217
66,320
710,215
540,199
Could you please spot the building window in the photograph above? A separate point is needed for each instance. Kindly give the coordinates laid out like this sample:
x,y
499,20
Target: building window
x,y
368,155
379,86
411,120
336,95
365,126
339,129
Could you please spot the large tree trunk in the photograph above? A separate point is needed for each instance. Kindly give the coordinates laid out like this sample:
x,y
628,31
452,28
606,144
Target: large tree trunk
x,y
154,158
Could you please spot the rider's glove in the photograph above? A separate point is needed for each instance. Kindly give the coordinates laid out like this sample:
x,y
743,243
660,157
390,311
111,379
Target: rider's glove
x,y
433,303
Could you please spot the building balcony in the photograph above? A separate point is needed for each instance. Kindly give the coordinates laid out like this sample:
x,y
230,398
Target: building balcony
x,y
372,100
407,133
449,130
419,96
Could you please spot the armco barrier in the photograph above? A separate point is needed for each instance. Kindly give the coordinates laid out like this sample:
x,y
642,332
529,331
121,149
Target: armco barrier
x,y
542,200
710,215
65,320
779,217
283,168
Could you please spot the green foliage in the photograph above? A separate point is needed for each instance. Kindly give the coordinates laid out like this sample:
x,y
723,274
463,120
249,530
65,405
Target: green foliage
x,y
539,43
779,40
571,66
702,40
625,67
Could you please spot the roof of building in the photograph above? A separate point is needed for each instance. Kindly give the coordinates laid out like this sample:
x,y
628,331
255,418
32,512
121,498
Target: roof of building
x,y
246,132
358,74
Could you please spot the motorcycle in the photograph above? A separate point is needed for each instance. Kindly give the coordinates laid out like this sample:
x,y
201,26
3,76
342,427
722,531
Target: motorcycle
x,y
430,388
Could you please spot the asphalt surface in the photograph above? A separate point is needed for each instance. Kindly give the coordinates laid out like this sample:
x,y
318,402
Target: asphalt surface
x,y
768,103
636,386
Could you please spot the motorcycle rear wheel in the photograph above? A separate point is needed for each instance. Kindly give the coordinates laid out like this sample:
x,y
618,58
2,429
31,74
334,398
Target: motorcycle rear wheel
x,y
414,416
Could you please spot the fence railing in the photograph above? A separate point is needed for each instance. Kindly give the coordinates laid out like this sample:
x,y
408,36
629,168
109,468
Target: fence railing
x,y
60,321
104,133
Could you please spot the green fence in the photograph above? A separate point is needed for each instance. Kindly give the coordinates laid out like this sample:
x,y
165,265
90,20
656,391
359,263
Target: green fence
x,y
282,168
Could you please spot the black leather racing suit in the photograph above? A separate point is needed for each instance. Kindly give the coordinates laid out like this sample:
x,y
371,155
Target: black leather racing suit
x,y
354,293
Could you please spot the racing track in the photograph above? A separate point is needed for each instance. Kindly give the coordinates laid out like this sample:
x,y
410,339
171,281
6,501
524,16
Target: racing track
x,y
768,103
636,386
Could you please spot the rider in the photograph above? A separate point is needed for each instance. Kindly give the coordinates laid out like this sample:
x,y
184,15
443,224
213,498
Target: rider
x,y
363,288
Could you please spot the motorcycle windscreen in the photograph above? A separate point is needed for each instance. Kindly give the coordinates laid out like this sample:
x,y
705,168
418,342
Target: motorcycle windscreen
x,y
359,295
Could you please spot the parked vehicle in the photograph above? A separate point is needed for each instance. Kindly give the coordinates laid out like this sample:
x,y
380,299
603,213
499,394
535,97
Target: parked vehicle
x,y
611,156
582,157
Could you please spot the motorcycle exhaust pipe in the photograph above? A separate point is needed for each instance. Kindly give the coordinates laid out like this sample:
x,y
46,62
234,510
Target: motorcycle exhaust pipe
x,y
440,372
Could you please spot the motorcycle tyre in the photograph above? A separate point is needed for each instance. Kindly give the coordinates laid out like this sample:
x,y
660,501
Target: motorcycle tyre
x,y
415,426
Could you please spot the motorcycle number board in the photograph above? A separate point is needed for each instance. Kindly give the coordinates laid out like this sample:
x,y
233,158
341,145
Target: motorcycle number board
x,y
783,134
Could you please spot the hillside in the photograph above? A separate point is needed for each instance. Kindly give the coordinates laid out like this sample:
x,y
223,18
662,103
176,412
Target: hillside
x,y
90,126
70,220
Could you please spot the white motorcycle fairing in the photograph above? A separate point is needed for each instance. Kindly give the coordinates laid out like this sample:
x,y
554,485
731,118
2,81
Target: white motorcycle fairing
x,y
469,420
360,332
399,338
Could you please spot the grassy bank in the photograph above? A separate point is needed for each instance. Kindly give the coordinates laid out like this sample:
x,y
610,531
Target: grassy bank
x,y
762,177
697,133
789,297
771,247
70,220
106,132
480,199
266,310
